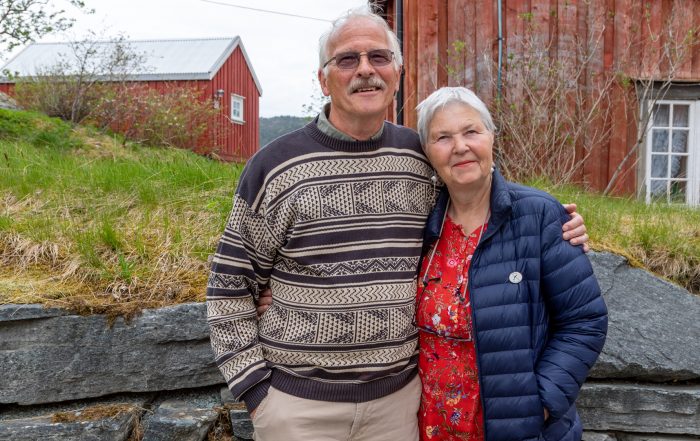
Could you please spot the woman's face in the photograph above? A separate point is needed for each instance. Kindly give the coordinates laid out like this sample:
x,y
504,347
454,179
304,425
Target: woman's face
x,y
459,146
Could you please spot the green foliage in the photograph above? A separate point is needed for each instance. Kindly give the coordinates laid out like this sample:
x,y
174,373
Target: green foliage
x,y
22,21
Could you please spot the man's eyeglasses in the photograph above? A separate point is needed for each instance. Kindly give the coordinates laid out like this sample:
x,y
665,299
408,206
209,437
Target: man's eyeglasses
x,y
350,60
442,334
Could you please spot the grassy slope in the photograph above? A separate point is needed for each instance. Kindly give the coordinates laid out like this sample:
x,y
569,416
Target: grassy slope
x,y
90,224
662,238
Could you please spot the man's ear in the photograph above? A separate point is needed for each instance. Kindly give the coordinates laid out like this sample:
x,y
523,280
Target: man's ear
x,y
323,81
399,71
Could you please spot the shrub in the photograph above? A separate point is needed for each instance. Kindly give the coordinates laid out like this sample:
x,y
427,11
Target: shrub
x,y
176,116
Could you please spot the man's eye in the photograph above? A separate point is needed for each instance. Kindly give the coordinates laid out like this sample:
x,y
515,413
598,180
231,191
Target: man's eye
x,y
379,59
345,60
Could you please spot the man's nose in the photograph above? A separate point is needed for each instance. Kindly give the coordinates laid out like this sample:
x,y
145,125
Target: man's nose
x,y
365,67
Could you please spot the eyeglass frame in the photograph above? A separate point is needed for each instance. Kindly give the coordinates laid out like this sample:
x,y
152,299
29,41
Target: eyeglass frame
x,y
358,57
426,280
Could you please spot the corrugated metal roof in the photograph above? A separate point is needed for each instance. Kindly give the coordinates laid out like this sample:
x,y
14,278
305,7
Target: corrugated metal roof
x,y
176,59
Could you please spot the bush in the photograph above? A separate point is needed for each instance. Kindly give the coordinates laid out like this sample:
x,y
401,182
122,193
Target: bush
x,y
175,117
56,96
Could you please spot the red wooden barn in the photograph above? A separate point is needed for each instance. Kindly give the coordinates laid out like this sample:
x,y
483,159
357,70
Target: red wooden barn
x,y
218,67
651,47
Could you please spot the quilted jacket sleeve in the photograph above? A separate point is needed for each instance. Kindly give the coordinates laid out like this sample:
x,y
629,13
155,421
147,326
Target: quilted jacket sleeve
x,y
577,315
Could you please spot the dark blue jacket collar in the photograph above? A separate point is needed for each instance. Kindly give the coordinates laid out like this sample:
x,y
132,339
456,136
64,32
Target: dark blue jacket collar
x,y
500,211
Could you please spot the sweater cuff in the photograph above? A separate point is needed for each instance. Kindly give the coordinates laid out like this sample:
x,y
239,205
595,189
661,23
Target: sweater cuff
x,y
254,396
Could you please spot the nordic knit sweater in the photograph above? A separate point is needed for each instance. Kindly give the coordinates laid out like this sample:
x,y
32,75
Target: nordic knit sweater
x,y
335,229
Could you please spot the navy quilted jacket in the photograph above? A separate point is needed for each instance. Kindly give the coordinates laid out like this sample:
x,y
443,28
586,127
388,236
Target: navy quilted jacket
x,y
536,338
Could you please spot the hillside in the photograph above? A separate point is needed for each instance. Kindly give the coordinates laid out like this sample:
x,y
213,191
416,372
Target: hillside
x,y
90,223
276,126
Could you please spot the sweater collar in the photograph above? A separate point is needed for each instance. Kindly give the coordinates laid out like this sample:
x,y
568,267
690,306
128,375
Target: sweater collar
x,y
329,129
501,205
334,143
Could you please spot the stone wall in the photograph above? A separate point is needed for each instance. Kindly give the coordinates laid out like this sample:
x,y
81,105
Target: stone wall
x,y
68,377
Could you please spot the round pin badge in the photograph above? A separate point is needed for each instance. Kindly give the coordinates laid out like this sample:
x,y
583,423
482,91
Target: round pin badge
x,y
515,277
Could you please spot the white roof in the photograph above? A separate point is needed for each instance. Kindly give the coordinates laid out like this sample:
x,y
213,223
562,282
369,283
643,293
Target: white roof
x,y
176,59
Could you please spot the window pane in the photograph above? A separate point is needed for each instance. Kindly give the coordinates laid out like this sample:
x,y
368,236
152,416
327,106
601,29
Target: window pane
x,y
661,115
679,166
657,189
680,115
679,141
659,166
678,191
659,140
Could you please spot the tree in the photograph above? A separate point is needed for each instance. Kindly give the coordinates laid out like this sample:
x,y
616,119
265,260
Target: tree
x,y
72,87
316,100
22,21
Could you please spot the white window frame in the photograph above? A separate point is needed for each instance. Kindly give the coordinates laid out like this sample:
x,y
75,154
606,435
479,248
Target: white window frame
x,y
693,184
240,100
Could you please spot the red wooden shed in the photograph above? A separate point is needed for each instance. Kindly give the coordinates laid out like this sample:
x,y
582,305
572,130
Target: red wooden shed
x,y
217,67
640,42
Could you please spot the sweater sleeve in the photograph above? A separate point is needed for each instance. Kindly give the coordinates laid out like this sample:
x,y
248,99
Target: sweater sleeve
x,y
240,269
577,315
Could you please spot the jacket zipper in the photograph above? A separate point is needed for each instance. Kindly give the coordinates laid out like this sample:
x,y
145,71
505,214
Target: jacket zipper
x,y
476,341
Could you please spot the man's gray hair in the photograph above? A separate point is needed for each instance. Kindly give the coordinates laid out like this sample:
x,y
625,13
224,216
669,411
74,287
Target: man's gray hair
x,y
340,22
446,96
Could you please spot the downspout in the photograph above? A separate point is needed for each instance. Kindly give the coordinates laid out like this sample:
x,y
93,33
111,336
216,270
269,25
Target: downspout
x,y
500,51
399,34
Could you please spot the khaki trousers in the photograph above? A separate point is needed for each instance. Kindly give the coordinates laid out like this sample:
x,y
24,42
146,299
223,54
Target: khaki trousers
x,y
284,417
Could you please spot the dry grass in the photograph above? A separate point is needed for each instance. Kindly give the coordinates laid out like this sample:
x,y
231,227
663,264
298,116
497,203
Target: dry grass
x,y
105,228
94,413
663,238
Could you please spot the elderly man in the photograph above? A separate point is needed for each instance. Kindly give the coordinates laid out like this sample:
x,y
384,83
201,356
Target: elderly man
x,y
330,217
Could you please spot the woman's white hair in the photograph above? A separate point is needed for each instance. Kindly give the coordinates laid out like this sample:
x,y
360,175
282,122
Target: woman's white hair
x,y
446,96
364,13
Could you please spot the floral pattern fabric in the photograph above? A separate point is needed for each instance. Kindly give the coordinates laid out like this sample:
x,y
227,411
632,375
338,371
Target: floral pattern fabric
x,y
450,401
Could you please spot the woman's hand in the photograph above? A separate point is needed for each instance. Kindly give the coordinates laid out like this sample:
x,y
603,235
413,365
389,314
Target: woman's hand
x,y
546,414
575,230
264,302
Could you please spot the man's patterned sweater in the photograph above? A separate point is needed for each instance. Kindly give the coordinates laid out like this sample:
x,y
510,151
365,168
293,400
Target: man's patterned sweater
x,y
334,228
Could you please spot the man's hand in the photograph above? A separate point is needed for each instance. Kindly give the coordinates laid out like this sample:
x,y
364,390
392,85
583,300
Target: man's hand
x,y
546,414
264,302
575,230
252,414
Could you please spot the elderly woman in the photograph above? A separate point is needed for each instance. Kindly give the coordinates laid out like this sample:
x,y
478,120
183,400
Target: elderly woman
x,y
510,315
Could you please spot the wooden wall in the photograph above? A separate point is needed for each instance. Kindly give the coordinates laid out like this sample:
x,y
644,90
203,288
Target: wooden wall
x,y
242,140
625,36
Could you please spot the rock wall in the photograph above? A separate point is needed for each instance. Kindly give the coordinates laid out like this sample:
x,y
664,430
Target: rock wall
x,y
68,377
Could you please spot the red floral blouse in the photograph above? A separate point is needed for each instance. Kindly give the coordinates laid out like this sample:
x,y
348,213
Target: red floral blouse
x,y
450,403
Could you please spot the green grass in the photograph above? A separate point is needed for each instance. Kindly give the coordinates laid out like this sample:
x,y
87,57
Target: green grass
x,y
93,225
660,237
101,223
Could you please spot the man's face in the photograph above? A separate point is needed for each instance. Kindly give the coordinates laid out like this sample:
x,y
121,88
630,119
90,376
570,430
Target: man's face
x,y
365,91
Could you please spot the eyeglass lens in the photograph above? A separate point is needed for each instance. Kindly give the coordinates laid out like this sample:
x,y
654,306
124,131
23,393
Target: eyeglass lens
x,y
376,57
